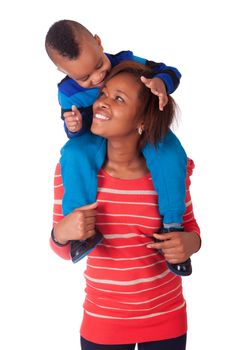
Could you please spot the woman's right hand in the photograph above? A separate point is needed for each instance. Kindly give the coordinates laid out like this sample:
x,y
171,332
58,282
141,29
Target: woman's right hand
x,y
78,225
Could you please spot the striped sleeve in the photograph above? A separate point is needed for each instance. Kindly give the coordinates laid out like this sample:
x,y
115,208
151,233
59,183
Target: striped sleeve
x,y
169,75
63,252
189,221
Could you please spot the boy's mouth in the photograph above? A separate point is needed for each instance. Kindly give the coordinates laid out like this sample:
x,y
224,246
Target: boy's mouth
x,y
100,85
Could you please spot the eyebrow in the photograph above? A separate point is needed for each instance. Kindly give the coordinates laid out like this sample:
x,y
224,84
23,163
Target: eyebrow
x,y
118,91
122,92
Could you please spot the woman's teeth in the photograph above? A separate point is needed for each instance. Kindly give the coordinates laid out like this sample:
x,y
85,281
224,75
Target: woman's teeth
x,y
100,116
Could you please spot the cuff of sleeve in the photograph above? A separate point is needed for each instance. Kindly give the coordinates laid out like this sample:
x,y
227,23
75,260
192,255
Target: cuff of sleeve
x,y
167,81
56,242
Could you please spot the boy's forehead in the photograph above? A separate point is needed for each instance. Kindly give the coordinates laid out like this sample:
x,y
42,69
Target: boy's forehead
x,y
90,52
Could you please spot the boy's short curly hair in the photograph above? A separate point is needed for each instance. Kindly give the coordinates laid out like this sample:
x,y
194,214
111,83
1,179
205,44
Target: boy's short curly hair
x,y
64,37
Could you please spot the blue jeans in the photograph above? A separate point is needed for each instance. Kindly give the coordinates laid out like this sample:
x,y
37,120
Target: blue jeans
x,y
178,343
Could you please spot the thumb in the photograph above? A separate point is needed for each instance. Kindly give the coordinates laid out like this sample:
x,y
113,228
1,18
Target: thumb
x,y
74,109
76,113
89,206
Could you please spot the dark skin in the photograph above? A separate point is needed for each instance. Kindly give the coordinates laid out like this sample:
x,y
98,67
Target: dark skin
x,y
115,117
90,69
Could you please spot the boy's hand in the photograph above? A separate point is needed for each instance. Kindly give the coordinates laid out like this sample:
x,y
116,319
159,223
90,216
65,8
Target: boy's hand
x,y
157,87
73,119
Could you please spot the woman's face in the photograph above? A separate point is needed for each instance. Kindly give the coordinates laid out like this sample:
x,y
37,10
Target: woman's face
x,y
115,113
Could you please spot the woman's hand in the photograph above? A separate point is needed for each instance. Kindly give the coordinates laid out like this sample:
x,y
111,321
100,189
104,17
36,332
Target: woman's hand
x,y
78,225
177,247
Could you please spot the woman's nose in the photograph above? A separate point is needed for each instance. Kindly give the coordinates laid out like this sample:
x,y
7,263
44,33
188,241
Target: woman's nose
x,y
104,103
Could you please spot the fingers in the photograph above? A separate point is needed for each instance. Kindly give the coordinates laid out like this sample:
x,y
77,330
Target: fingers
x,y
73,119
157,87
72,123
85,226
172,246
89,233
78,225
163,100
85,220
93,205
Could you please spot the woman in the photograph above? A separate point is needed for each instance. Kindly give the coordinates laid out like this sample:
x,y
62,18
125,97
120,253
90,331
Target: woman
x,y
131,296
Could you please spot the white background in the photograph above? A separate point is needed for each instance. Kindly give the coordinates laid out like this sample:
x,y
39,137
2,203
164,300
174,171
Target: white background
x,y
41,295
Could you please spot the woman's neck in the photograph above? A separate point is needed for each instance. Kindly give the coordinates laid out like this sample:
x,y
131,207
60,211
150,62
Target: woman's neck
x,y
124,161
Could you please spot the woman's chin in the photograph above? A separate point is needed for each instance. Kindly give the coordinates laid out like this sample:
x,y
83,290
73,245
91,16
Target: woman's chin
x,y
95,130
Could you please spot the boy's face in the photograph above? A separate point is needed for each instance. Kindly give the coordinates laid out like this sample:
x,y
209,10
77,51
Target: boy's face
x,y
91,67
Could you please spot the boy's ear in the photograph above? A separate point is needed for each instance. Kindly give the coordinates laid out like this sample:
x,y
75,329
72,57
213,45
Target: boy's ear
x,y
97,38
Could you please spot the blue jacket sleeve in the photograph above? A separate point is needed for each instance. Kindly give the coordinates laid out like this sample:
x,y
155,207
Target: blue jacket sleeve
x,y
170,75
82,100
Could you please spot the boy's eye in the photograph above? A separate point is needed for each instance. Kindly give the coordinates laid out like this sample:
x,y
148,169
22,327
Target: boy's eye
x,y
99,65
84,79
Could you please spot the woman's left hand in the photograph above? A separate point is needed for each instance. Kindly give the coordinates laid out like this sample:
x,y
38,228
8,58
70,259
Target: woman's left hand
x,y
177,247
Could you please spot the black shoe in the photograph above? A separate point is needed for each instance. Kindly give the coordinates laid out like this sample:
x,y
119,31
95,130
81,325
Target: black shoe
x,y
79,249
181,269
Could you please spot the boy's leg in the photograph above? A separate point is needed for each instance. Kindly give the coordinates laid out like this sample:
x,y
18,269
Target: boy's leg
x,y
167,162
81,159
180,269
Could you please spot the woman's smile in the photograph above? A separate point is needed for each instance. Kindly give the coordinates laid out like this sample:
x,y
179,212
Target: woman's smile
x,y
101,117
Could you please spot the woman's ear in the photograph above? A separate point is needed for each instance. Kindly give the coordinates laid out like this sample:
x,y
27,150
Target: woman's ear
x,y
97,38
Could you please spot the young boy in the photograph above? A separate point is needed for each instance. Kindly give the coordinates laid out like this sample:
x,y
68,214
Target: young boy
x,y
79,54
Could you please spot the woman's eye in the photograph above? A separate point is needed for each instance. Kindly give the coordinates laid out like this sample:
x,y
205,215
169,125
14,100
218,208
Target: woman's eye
x,y
102,93
119,99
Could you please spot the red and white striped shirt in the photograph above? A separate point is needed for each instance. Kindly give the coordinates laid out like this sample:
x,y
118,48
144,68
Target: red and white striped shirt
x,y
131,296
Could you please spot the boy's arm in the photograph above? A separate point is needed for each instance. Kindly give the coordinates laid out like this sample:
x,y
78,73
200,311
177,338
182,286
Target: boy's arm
x,y
169,75
71,94
77,119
